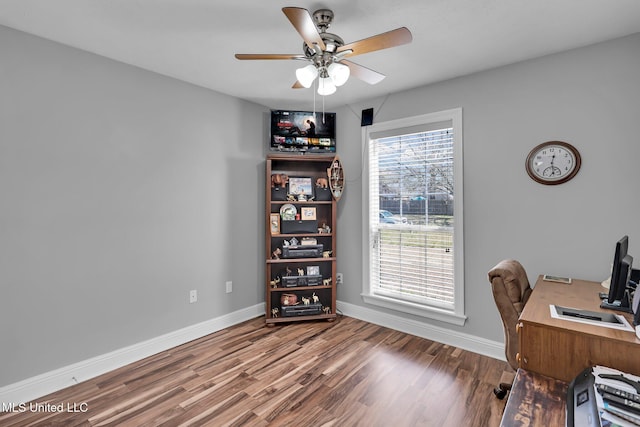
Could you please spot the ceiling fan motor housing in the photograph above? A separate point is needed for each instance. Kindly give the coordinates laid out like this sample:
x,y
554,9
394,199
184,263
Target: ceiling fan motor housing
x,y
323,58
331,41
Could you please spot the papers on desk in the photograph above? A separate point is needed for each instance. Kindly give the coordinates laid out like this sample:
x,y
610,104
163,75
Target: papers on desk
x,y
617,396
605,320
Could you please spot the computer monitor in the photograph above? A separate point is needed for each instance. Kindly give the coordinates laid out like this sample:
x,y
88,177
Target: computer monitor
x,y
618,297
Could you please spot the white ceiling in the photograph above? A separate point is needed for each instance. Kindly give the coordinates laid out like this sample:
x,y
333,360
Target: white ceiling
x,y
195,40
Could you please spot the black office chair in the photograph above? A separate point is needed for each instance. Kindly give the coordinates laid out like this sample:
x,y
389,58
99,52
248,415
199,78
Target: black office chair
x,y
511,291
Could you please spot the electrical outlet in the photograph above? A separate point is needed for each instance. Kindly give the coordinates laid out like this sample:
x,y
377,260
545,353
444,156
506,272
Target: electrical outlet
x,y
229,285
193,296
338,278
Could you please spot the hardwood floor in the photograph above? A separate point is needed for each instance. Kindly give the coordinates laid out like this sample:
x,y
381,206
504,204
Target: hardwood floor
x,y
342,373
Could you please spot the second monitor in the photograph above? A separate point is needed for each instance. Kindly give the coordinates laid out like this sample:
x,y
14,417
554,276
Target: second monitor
x,y
618,297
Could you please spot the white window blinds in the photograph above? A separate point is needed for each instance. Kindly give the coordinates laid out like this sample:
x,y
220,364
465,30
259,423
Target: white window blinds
x,y
411,177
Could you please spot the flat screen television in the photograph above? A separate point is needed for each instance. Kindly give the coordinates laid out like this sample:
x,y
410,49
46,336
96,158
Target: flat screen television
x,y
302,131
618,296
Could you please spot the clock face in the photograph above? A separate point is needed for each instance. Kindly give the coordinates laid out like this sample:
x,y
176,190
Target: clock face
x,y
553,162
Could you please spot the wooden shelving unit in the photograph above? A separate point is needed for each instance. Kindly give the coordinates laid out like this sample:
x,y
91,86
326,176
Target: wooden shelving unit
x,y
282,272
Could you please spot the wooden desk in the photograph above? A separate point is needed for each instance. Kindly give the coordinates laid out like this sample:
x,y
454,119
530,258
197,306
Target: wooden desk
x,y
561,348
535,400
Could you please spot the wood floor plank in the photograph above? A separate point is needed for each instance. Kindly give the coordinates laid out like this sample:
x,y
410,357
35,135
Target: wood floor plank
x,y
346,373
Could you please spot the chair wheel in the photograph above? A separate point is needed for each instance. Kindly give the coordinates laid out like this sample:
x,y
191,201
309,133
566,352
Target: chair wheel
x,y
500,392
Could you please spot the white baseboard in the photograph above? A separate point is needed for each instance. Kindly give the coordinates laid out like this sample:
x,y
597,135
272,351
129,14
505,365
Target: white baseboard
x,y
49,382
468,342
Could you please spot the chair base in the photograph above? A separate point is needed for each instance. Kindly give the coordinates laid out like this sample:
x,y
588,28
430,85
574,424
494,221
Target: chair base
x,y
501,390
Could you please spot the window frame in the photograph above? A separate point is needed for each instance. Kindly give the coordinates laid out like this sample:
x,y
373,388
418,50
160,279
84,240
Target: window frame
x,y
456,314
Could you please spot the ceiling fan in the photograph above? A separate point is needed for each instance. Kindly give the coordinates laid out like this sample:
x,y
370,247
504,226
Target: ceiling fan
x,y
327,52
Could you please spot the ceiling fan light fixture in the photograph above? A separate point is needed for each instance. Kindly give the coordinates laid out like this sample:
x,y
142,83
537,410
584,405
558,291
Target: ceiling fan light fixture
x,y
326,86
339,73
326,51
306,75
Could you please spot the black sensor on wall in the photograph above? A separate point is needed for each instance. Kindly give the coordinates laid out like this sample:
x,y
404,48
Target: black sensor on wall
x,y
367,117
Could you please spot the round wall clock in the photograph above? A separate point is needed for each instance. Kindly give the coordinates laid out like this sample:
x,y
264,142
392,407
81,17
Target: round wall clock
x,y
553,162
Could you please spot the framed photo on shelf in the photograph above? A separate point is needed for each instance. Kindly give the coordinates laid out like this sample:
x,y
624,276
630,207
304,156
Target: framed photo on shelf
x,y
275,223
307,214
300,186
313,270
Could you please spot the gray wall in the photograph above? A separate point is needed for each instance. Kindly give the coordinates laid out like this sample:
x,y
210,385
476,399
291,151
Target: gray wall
x,y
120,191
589,97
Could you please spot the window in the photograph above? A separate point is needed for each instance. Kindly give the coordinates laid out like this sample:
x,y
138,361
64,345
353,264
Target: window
x,y
413,199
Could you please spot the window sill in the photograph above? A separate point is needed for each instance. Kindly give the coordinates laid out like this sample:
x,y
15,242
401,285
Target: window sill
x,y
435,313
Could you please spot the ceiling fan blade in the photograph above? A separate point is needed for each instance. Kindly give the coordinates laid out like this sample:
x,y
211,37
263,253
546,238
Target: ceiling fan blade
x,y
303,22
268,56
297,85
363,73
392,38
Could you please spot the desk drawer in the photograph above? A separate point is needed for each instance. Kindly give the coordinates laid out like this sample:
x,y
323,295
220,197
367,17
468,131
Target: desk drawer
x,y
563,353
